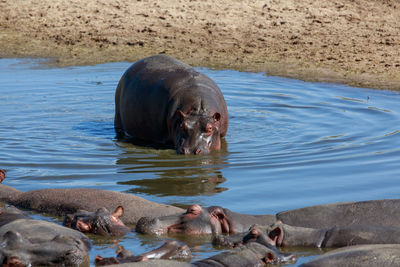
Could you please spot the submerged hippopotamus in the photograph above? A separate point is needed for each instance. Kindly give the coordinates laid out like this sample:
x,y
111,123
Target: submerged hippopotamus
x,y
171,250
28,242
385,212
281,235
381,217
252,254
101,222
61,202
197,221
165,102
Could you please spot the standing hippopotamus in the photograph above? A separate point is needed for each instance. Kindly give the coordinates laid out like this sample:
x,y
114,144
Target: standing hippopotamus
x,y
165,102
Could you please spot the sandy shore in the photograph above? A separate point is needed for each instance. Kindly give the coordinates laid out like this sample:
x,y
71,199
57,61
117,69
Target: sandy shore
x,y
355,42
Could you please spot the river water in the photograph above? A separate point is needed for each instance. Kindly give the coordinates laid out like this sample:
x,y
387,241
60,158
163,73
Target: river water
x,y
290,144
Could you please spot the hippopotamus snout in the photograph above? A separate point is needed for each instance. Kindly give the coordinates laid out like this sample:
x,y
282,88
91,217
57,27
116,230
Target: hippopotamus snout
x,y
198,133
202,148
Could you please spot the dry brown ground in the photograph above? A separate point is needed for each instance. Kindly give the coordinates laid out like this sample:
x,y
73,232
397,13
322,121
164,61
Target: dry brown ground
x,y
350,41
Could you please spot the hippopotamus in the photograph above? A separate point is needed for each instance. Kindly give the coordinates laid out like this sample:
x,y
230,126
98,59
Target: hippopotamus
x,y
166,103
385,212
101,222
28,242
171,250
61,202
281,235
252,254
197,221
387,255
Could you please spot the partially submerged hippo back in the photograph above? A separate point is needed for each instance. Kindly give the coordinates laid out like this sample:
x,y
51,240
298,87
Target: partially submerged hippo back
x,y
363,255
163,101
384,212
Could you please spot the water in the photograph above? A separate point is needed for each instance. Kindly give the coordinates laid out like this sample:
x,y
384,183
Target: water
x,y
290,144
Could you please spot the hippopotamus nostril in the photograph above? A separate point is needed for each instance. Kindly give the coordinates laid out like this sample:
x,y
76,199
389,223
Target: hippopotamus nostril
x,y
254,233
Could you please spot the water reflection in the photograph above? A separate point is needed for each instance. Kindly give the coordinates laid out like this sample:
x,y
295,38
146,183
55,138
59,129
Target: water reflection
x,y
172,174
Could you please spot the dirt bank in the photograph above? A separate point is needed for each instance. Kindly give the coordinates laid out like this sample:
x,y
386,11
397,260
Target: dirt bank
x,y
355,42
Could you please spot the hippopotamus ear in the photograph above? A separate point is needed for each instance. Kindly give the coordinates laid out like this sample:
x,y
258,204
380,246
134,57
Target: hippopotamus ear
x,y
118,212
276,234
14,261
82,226
223,220
216,116
269,258
181,115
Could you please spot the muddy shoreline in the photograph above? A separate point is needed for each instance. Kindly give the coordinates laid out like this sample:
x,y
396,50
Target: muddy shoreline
x,y
357,42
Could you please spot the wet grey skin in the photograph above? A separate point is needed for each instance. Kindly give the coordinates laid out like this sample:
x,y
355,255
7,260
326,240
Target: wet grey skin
x,y
28,242
387,255
282,235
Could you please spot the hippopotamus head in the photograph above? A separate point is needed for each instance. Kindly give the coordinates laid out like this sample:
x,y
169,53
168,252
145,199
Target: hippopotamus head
x,y
195,221
16,250
197,133
269,236
101,222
